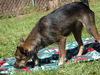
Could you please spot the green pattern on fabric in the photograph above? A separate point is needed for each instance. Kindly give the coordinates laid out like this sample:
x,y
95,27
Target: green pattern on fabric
x,y
49,57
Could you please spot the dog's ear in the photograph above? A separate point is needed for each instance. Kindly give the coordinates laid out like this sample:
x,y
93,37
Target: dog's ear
x,y
22,41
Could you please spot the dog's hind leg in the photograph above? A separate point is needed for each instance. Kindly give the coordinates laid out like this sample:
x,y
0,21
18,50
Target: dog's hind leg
x,y
77,34
89,22
62,52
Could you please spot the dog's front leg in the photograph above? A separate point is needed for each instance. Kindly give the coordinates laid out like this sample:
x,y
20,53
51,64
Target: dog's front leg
x,y
62,51
35,61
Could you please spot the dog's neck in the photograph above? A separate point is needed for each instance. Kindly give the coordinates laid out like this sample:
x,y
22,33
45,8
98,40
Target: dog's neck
x,y
35,41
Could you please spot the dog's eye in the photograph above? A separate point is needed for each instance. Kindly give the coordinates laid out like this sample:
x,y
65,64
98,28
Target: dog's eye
x,y
17,58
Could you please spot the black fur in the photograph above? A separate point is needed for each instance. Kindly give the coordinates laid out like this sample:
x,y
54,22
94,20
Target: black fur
x,y
50,29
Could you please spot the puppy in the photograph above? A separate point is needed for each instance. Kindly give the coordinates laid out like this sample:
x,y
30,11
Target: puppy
x,y
54,28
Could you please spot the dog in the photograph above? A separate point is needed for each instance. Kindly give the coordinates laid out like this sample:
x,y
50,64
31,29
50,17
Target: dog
x,y
54,28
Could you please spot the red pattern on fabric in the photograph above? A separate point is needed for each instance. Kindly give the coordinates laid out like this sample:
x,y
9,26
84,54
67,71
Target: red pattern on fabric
x,y
2,62
3,69
57,53
90,49
68,62
85,58
48,50
25,68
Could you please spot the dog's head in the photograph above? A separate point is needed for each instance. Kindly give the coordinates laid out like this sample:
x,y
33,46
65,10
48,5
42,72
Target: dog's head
x,y
22,56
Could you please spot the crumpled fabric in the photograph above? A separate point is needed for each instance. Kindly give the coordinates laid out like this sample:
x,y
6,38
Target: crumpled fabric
x,y
48,57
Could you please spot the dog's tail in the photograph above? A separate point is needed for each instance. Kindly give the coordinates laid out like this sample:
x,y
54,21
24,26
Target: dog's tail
x,y
86,2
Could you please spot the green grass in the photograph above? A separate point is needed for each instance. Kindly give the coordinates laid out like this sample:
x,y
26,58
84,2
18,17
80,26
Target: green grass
x,y
12,29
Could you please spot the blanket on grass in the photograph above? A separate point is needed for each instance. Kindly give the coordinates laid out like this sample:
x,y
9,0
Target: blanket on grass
x,y
49,57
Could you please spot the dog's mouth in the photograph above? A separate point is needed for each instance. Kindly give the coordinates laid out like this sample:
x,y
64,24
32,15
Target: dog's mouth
x,y
19,65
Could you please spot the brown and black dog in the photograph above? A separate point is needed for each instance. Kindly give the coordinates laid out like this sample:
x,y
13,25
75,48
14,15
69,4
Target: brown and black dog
x,y
54,28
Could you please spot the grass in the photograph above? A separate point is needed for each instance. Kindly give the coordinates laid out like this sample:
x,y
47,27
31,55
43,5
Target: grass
x,y
12,29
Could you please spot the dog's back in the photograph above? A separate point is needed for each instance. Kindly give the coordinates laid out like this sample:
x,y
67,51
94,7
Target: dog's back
x,y
62,21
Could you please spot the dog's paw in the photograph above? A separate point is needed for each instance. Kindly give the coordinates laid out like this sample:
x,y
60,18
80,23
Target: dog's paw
x,y
60,63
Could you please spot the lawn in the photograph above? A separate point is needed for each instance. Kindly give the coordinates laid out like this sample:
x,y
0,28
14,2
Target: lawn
x,y
12,29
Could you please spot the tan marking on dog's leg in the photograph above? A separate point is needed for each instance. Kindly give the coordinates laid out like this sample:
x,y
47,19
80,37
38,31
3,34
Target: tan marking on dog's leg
x,y
80,50
62,51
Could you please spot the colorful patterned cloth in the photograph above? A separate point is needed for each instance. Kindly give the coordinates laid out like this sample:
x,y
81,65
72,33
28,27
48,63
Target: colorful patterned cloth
x,y
49,57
